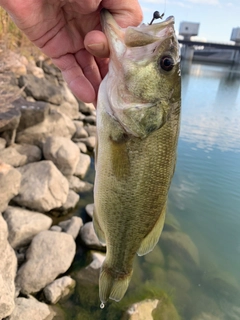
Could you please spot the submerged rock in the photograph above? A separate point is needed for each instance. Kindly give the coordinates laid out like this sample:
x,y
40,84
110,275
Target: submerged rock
x,y
43,187
8,268
162,309
23,225
180,245
49,255
59,289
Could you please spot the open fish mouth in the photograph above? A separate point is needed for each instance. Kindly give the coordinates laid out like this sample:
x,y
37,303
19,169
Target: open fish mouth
x,y
120,38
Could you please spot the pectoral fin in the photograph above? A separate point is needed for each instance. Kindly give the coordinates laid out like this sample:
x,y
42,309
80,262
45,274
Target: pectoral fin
x,y
152,238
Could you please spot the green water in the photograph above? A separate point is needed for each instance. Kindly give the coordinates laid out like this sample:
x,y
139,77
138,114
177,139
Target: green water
x,y
204,201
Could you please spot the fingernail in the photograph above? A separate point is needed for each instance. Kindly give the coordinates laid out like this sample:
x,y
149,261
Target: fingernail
x,y
96,46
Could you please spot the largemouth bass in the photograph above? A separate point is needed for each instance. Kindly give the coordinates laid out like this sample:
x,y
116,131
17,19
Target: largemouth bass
x,y
138,115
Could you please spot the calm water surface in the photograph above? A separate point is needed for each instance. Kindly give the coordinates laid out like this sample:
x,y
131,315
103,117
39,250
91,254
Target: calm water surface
x,y
204,204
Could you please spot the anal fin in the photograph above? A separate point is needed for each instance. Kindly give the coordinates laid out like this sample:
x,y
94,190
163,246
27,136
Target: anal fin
x,y
152,238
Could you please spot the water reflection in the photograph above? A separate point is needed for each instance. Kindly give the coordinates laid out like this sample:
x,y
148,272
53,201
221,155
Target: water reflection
x,y
211,109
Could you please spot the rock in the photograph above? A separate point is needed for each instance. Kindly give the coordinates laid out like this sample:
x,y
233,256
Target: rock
x,y
31,308
90,238
171,223
41,89
70,106
86,108
91,130
83,165
3,143
33,153
207,316
49,255
178,281
63,153
23,225
12,157
155,257
90,274
89,209
58,289
90,142
78,185
8,268
9,120
71,202
34,70
80,131
152,309
56,228
55,124
43,187
72,226
181,246
90,119
32,113
82,147
10,181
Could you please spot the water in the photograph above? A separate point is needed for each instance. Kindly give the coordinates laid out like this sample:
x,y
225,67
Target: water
x,y
202,280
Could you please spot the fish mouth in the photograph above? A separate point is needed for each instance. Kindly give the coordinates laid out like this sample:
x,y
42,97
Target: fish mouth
x,y
120,38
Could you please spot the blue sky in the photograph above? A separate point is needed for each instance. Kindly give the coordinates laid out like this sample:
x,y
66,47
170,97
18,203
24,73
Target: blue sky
x,y
217,18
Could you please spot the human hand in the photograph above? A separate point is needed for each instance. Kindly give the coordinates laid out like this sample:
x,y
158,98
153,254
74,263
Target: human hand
x,y
69,32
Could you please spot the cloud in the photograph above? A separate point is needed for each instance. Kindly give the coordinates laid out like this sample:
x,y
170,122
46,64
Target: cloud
x,y
209,2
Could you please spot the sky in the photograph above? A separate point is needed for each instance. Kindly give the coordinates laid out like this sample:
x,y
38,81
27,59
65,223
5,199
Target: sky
x,y
217,18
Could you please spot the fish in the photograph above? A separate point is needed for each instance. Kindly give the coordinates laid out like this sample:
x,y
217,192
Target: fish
x,y
138,119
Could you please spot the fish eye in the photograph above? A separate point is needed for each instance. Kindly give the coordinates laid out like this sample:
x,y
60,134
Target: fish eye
x,y
167,63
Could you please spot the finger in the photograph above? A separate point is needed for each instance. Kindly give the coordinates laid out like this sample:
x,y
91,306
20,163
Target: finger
x,y
90,68
103,66
96,43
75,78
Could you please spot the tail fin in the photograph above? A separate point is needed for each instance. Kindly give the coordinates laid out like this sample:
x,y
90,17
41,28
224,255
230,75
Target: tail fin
x,y
112,285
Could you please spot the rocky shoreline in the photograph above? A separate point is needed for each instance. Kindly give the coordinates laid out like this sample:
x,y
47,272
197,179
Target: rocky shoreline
x,y
47,138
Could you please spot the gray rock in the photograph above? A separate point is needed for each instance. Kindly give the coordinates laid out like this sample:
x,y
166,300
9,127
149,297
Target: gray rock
x,y
63,153
86,108
9,120
59,289
49,255
43,187
3,143
80,131
82,147
91,130
8,268
181,246
55,124
31,309
91,119
11,156
89,209
34,70
23,225
83,165
71,202
78,185
90,142
56,228
32,112
90,238
72,226
10,181
33,153
70,106
41,89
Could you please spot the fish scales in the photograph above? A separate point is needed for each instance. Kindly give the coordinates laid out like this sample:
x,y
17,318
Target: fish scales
x,y
136,153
